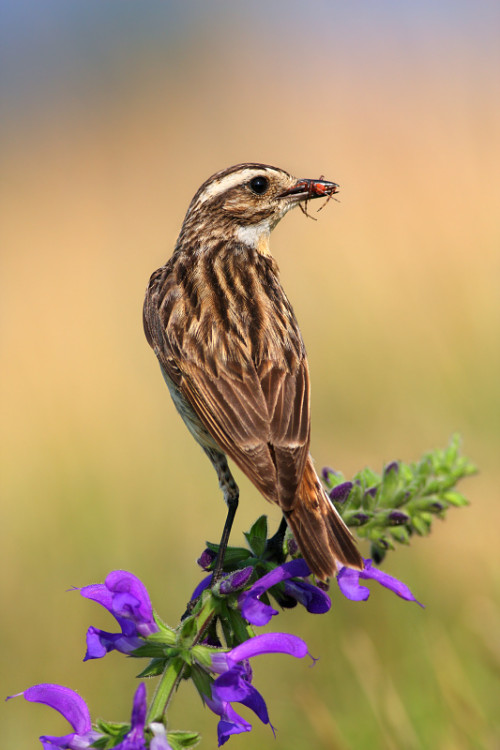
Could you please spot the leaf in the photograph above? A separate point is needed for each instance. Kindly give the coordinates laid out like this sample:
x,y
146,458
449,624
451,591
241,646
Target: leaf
x,y
456,499
257,536
180,740
420,524
400,534
154,668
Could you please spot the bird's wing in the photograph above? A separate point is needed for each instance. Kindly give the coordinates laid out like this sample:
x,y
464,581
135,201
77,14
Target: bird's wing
x,y
259,416
258,413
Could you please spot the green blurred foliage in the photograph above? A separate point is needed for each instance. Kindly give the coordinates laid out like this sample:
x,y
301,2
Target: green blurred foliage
x,y
396,290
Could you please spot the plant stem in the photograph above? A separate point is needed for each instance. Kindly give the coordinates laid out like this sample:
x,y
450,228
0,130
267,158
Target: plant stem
x,y
168,684
171,677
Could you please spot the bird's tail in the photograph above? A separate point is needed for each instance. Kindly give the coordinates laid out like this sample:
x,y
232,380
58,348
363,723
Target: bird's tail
x,y
320,532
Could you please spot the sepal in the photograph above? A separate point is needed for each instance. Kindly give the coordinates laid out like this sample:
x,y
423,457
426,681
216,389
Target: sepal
x,y
257,536
179,740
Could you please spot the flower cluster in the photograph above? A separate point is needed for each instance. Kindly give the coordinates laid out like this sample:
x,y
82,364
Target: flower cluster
x,y
76,712
239,602
403,500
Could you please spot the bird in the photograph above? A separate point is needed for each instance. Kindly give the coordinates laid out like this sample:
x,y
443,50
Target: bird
x,y
233,358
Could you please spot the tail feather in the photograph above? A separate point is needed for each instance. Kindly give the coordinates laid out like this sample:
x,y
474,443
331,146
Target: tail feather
x,y
320,532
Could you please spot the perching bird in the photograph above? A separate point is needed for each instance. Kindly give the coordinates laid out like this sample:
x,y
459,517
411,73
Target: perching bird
x,y
232,354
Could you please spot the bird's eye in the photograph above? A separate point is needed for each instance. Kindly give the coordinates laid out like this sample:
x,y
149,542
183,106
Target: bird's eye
x,y
259,185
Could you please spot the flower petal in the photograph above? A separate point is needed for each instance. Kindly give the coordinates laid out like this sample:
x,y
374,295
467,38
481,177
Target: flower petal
x,y
391,583
159,740
230,722
258,613
315,600
231,687
72,707
139,708
268,643
235,580
125,596
252,609
127,599
203,584
348,582
100,643
341,492
63,699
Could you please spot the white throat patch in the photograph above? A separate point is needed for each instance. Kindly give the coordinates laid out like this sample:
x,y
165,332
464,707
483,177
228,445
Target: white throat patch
x,y
255,235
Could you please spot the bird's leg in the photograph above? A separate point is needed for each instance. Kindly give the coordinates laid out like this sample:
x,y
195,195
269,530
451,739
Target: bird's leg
x,y
231,496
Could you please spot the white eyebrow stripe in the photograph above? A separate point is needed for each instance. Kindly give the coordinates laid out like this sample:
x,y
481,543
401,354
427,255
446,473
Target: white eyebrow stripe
x,y
227,182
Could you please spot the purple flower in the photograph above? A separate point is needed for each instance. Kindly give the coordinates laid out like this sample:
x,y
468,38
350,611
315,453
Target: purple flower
x,y
227,585
313,599
397,517
159,740
203,584
134,740
348,581
230,722
235,676
126,597
326,471
206,558
235,580
72,707
75,710
341,492
393,466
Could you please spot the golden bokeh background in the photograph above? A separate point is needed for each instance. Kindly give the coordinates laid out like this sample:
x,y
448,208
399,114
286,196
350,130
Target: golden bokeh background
x,y
114,115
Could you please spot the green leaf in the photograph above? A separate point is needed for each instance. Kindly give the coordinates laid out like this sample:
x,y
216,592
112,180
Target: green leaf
x,y
355,518
240,629
257,536
154,668
180,740
101,744
421,524
400,534
112,728
152,650
389,487
166,633
203,654
235,557
202,681
456,499
189,628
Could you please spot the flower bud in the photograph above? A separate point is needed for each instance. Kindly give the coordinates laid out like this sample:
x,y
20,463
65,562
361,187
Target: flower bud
x,y
340,493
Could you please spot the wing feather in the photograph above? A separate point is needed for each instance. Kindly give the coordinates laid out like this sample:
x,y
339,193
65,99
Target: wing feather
x,y
256,408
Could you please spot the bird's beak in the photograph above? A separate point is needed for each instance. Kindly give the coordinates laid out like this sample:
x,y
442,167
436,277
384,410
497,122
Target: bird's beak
x,y
305,190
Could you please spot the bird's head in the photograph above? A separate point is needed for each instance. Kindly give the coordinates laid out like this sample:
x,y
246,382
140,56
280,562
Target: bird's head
x,y
248,200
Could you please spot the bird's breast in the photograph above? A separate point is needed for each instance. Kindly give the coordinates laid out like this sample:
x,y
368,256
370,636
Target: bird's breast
x,y
228,304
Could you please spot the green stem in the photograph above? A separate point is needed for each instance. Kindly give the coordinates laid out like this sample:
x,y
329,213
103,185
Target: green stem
x,y
171,677
167,686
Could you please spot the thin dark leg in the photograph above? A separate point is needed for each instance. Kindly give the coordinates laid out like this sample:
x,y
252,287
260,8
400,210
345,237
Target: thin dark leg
x,y
231,496
231,512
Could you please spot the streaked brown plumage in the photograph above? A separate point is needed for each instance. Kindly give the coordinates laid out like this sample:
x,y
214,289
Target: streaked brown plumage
x,y
232,354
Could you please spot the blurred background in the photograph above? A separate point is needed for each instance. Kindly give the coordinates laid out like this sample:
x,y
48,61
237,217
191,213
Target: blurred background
x,y
112,115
